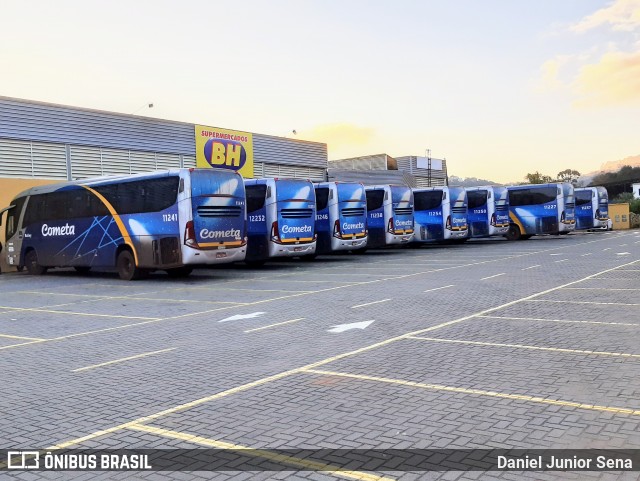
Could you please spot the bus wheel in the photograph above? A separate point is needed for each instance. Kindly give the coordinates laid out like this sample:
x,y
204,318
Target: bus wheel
x,y
513,233
179,272
362,250
526,237
309,257
82,269
31,263
19,268
126,265
255,263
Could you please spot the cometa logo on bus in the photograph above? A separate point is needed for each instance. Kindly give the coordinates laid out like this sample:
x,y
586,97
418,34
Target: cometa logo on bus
x,y
289,229
218,234
359,225
403,223
58,231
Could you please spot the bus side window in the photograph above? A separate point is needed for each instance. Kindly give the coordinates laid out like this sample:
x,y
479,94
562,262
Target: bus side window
x,y
444,195
268,192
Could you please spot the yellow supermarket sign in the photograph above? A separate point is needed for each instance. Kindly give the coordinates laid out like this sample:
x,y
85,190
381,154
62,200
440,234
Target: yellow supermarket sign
x,y
224,149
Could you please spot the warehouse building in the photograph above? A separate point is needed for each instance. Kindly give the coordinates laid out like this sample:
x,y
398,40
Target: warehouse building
x,y
413,171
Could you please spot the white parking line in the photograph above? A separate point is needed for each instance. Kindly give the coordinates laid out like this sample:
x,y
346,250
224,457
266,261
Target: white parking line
x,y
607,249
561,320
587,254
525,346
438,288
587,302
491,277
530,267
369,303
562,260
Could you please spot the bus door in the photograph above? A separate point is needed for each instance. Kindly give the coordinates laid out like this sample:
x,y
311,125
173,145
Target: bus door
x,y
376,216
257,231
602,210
478,201
323,214
218,208
13,232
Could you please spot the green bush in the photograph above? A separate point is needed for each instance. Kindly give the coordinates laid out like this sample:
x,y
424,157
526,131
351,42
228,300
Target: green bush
x,y
634,206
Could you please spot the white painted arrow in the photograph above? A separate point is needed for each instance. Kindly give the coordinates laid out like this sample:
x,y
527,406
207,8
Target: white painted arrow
x,y
237,317
353,325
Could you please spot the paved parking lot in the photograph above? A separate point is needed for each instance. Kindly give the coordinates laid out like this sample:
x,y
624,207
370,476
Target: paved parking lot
x,y
491,344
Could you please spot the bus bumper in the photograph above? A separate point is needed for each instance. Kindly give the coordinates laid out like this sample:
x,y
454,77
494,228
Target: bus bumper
x,y
292,250
192,256
348,244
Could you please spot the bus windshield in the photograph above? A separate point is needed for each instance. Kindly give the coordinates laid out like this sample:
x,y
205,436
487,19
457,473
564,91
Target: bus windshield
x,y
294,190
477,198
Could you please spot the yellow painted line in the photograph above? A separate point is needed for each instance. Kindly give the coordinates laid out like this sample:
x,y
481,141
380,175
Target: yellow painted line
x,y
562,320
370,303
525,346
482,392
314,365
8,336
273,325
137,356
166,299
299,463
586,302
51,311
23,344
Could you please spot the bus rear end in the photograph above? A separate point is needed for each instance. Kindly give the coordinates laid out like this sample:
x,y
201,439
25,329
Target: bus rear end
x,y
216,230
478,202
456,224
428,215
293,231
400,225
601,217
499,218
349,229
585,199
567,208
378,213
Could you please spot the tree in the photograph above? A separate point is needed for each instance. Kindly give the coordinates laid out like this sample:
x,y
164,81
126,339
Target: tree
x,y
538,178
569,175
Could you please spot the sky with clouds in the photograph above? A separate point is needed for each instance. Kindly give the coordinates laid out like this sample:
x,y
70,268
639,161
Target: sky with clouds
x,y
499,87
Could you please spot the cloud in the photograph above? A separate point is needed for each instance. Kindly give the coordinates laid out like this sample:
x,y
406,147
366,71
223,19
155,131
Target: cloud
x,y
340,135
614,79
622,15
550,73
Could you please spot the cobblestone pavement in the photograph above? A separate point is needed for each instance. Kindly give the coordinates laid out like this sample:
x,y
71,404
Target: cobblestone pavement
x,y
491,344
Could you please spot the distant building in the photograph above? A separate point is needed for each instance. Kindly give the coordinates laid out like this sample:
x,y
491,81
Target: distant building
x,y
635,188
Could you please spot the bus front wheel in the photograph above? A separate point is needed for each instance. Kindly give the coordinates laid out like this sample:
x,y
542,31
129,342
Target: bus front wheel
x,y
126,265
513,233
31,263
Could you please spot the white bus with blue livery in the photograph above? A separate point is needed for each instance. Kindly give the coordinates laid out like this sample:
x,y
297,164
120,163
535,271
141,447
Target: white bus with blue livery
x,y
440,214
592,208
169,220
341,216
541,209
389,215
488,211
281,218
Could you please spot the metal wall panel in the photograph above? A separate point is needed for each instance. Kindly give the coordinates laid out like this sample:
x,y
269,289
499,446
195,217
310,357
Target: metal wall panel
x,y
365,162
279,150
372,177
409,163
20,158
189,161
167,161
85,162
115,162
142,162
27,120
